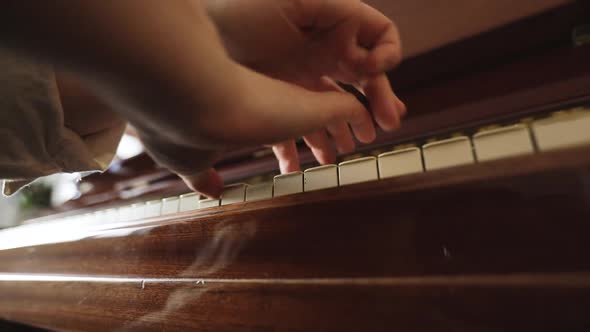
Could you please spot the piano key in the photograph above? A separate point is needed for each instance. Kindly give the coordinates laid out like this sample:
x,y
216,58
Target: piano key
x,y
170,205
74,219
99,216
234,194
503,142
259,192
153,208
447,153
320,177
208,202
189,202
138,211
112,215
400,162
88,218
358,170
564,130
125,213
287,184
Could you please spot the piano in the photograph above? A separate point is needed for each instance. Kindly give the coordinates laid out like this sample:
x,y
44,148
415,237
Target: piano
x,y
474,216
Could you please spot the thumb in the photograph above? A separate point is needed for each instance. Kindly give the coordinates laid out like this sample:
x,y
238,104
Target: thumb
x,y
208,183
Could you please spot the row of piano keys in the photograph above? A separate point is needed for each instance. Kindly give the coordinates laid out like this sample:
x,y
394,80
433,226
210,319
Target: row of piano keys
x,y
562,129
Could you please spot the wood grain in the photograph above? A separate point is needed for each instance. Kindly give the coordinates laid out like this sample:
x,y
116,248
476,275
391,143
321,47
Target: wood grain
x,y
485,305
498,246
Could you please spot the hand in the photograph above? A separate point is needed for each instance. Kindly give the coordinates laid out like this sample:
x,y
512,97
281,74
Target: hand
x,y
304,41
167,72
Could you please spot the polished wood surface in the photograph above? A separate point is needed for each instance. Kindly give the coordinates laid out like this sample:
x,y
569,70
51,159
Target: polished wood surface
x,y
494,246
518,303
426,24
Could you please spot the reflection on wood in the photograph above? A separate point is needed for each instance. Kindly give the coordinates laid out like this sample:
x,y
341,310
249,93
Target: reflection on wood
x,y
450,304
486,247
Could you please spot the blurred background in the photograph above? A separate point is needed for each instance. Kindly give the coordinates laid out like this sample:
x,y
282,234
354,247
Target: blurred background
x,y
48,193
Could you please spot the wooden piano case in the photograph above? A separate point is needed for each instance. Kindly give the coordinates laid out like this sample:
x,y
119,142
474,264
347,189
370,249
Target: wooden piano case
x,y
495,246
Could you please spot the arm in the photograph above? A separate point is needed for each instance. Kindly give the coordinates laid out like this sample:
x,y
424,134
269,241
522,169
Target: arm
x,y
162,66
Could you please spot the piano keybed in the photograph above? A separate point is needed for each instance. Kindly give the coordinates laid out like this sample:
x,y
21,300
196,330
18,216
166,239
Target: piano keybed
x,y
559,130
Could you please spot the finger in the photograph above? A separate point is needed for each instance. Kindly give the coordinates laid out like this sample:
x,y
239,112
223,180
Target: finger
x,y
401,106
342,137
273,111
362,125
287,155
321,147
384,104
208,183
380,36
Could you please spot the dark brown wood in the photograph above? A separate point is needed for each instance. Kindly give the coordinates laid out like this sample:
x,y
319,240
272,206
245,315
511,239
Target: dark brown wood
x,y
498,246
517,303
426,25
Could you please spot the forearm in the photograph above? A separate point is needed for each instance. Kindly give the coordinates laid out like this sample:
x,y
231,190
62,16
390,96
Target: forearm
x,y
133,50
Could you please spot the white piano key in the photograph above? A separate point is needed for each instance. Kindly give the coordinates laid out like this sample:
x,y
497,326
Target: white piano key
x,y
562,131
503,142
358,170
234,194
189,202
138,211
125,213
170,205
111,215
259,192
447,153
99,216
153,209
88,218
287,184
74,219
400,162
320,177
208,202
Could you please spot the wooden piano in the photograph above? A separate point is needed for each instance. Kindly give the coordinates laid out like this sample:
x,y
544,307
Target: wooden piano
x,y
475,216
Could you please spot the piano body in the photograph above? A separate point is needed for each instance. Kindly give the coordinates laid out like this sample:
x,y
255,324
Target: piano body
x,y
475,216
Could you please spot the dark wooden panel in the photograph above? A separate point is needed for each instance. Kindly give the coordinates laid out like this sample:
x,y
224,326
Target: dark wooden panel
x,y
489,303
429,24
498,246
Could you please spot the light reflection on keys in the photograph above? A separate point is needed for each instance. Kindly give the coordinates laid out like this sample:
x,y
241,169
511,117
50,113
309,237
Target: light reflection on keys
x,y
287,184
169,205
208,202
259,192
358,170
563,130
234,194
400,162
321,177
153,208
189,202
447,153
503,142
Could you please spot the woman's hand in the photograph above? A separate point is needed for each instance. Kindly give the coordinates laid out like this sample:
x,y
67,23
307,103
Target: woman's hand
x,y
167,72
306,41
